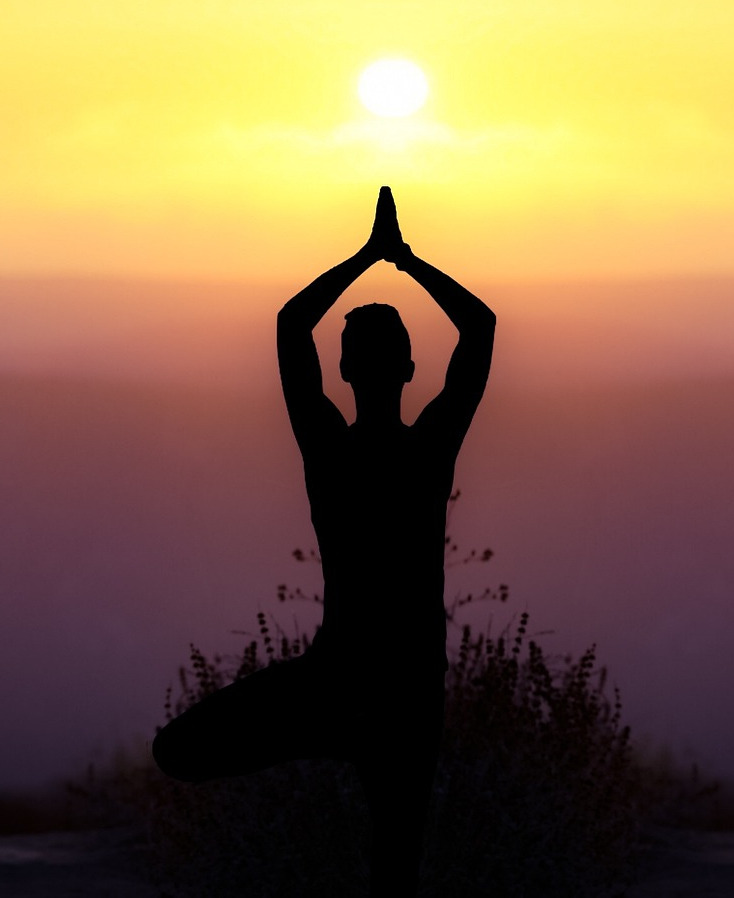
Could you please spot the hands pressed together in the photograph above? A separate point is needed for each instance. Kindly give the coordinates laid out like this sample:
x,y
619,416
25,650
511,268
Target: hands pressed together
x,y
386,242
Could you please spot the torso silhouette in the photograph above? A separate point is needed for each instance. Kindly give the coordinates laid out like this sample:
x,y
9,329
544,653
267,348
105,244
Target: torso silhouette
x,y
378,505
370,688
379,488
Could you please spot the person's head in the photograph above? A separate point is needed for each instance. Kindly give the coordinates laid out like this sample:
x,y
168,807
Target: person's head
x,y
375,347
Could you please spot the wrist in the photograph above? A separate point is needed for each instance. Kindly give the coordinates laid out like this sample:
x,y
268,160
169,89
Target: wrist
x,y
403,257
367,254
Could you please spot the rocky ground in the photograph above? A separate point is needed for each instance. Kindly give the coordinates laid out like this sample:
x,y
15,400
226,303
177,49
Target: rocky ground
x,y
687,864
111,864
107,863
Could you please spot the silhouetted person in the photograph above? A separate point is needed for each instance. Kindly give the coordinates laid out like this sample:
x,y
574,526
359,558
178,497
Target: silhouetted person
x,y
370,688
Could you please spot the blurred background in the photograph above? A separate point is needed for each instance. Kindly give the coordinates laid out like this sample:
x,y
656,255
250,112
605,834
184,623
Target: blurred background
x,y
172,173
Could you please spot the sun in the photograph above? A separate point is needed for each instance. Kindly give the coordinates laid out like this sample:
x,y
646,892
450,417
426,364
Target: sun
x,y
393,87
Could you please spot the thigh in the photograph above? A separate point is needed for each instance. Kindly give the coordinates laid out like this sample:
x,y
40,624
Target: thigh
x,y
276,714
399,752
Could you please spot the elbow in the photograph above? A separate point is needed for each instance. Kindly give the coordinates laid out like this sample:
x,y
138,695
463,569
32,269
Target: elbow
x,y
488,319
479,315
291,318
477,327
287,316
485,327
295,309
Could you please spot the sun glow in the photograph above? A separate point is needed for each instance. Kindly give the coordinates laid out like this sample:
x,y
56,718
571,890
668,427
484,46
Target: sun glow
x,y
393,88
137,140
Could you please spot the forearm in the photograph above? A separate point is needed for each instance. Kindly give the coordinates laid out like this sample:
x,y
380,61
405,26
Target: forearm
x,y
465,310
309,306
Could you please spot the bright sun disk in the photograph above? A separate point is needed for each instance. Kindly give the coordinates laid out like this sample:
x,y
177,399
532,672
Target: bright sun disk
x,y
393,87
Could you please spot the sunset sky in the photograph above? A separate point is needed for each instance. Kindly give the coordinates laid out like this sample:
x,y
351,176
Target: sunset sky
x,y
172,170
208,139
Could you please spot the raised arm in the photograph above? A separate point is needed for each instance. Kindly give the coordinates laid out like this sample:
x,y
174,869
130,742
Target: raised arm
x,y
300,372
452,410
309,409
468,370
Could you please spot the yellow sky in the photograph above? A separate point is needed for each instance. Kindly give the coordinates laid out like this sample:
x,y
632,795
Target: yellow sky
x,y
214,138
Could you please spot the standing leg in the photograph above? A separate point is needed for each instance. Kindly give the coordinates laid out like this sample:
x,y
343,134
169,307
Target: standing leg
x,y
396,769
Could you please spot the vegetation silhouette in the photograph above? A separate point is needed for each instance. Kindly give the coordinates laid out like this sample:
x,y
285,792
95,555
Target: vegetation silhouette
x,y
514,811
377,483
537,792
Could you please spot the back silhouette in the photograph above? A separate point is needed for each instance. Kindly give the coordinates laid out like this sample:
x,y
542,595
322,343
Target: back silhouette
x,y
370,688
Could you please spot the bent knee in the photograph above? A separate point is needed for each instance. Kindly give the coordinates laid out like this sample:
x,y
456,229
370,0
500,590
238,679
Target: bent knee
x,y
173,757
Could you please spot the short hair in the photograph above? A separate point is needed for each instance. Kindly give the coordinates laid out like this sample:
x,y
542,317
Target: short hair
x,y
376,325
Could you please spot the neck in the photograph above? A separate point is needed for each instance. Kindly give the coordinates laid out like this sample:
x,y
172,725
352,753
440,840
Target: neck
x,y
378,410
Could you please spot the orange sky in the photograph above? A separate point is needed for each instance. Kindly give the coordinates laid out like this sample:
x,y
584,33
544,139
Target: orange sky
x,y
226,140
223,140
